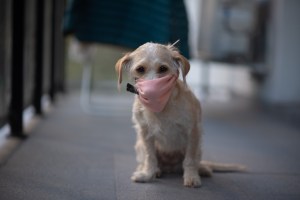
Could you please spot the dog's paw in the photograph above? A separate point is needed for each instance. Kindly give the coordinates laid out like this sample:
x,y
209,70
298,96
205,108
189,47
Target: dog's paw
x,y
142,177
192,181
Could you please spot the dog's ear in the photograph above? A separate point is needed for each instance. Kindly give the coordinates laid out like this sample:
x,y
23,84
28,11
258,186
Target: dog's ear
x,y
122,63
184,65
180,61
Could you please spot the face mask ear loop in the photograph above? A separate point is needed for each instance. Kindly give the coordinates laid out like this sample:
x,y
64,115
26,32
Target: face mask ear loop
x,y
132,89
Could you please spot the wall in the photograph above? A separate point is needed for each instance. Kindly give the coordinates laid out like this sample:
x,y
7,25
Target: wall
x,y
283,82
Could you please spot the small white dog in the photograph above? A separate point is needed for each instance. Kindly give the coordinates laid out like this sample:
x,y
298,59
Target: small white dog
x,y
166,116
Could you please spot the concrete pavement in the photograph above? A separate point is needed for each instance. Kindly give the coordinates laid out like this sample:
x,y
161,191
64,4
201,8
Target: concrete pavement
x,y
72,155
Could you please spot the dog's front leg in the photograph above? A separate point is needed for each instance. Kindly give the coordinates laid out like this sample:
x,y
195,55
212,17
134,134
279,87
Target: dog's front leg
x,y
191,161
149,169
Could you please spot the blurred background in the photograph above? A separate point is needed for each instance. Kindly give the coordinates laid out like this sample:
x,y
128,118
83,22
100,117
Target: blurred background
x,y
237,48
58,88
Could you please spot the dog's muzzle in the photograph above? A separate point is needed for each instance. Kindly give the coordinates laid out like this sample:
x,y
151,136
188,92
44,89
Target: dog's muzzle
x,y
154,94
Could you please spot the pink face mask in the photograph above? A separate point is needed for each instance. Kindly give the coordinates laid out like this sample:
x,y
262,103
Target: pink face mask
x,y
154,94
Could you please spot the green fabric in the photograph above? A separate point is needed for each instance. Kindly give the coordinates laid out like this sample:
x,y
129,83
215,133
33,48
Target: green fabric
x,y
128,23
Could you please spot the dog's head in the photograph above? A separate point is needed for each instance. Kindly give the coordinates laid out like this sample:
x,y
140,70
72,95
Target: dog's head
x,y
151,61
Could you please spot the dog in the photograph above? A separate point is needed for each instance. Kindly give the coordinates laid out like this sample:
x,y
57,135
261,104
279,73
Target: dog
x,y
166,116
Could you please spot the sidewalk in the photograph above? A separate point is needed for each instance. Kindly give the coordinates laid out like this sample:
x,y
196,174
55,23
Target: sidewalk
x,y
71,155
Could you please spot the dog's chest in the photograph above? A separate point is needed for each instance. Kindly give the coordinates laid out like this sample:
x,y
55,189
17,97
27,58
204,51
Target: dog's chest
x,y
170,128
170,133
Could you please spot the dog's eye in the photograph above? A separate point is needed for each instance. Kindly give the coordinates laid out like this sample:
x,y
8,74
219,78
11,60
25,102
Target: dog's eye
x,y
140,69
162,69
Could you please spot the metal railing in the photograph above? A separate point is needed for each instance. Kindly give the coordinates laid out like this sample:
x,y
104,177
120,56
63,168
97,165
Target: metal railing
x,y
31,57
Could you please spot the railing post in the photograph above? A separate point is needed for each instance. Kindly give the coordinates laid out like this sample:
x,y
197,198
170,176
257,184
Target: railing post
x,y
38,77
57,66
17,72
53,72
